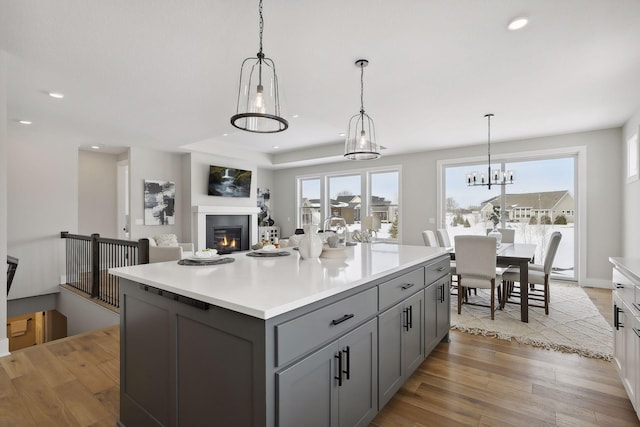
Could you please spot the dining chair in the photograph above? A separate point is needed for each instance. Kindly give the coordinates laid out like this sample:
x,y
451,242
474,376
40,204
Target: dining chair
x,y
476,268
508,234
429,238
445,242
538,275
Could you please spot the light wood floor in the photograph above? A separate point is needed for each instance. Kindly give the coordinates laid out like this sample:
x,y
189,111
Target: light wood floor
x,y
471,381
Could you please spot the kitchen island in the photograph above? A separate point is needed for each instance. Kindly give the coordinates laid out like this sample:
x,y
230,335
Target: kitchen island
x,y
278,340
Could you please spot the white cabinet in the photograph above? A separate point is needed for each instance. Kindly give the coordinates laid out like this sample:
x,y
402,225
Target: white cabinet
x,y
626,328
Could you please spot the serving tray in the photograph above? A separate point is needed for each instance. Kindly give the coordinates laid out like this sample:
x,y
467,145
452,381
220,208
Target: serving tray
x,y
205,261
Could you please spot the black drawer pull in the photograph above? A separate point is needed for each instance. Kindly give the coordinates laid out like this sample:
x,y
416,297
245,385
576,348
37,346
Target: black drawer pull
x,y
407,286
636,331
344,318
619,286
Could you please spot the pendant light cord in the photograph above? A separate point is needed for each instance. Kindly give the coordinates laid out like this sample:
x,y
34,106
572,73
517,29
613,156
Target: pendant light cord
x,y
361,88
261,24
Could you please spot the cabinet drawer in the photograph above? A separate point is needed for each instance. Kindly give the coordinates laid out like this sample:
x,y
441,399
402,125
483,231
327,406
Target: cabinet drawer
x,y
400,288
438,269
297,336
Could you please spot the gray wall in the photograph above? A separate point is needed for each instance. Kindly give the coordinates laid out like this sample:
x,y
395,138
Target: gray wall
x,y
84,315
4,342
97,193
631,196
419,190
150,164
42,201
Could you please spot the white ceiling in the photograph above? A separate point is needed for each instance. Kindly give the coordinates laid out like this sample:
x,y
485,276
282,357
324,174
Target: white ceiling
x,y
164,73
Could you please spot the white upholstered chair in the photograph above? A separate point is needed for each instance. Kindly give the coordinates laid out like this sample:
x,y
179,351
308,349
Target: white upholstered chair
x,y
165,247
508,234
476,268
429,238
538,275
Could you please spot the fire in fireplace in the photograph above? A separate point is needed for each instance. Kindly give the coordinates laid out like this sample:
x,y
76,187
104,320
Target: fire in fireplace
x,y
228,233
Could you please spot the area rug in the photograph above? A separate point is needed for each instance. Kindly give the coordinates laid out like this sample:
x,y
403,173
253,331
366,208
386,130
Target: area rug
x,y
574,324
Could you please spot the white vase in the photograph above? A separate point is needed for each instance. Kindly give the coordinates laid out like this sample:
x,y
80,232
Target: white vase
x,y
497,234
310,245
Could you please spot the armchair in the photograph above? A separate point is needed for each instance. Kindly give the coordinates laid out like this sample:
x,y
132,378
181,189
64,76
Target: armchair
x,y
165,247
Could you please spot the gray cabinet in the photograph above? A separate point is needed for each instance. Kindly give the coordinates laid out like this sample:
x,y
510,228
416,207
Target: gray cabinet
x,y
334,386
437,313
401,344
334,362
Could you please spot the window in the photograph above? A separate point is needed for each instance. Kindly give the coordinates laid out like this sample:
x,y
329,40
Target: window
x,y
309,201
541,201
353,195
344,199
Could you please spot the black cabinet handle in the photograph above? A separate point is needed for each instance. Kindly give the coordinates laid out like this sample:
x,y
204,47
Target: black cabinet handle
x,y
344,318
407,286
405,321
636,331
339,377
348,370
410,321
619,286
616,317
441,293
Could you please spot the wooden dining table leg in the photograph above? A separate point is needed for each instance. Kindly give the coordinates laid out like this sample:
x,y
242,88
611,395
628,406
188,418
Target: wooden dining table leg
x,y
524,291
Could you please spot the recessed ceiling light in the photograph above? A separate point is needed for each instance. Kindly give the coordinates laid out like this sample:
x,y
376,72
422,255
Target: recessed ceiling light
x,y
295,116
341,134
95,147
225,134
275,146
56,95
25,122
518,23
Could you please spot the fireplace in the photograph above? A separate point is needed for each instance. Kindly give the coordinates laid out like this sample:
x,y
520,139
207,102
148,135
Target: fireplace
x,y
227,233
201,230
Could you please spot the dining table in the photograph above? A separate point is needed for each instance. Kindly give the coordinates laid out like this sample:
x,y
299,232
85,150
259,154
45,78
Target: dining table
x,y
520,255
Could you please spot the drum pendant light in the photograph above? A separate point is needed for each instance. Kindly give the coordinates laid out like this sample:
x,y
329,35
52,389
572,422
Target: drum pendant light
x,y
361,135
258,106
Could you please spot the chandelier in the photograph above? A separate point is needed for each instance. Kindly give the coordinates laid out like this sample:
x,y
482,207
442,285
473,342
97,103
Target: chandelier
x,y
258,106
361,135
497,177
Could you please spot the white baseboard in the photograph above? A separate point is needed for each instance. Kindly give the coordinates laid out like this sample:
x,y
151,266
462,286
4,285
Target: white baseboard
x,y
597,283
4,347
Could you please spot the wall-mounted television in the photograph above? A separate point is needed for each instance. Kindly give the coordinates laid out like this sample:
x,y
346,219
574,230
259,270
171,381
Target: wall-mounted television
x,y
229,182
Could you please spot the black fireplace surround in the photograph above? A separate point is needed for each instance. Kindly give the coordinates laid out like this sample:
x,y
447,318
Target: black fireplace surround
x,y
228,233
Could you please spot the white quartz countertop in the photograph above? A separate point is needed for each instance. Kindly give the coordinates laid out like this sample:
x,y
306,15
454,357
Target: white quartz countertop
x,y
267,287
631,266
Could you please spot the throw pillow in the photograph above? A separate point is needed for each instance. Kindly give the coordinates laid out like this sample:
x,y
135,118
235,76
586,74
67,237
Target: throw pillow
x,y
166,240
152,241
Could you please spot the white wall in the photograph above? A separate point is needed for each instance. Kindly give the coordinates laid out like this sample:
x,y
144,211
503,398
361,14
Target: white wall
x,y
97,193
42,201
631,196
419,192
4,342
147,164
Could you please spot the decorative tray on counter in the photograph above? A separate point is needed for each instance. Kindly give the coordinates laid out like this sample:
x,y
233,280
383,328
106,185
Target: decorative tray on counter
x,y
205,261
263,254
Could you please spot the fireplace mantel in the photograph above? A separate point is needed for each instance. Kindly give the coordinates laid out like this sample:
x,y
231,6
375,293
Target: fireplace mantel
x,y
200,221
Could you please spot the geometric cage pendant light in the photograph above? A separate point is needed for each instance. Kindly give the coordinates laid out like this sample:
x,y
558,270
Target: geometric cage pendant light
x,y
258,106
361,135
498,177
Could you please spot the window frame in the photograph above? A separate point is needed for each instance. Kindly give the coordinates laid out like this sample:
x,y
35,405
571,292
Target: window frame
x,y
580,182
365,189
